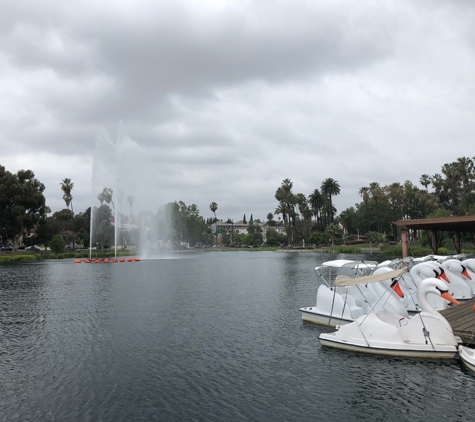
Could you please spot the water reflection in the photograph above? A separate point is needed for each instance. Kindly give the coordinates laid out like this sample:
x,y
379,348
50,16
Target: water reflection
x,y
207,337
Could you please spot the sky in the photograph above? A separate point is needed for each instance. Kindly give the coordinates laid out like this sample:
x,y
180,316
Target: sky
x,y
221,100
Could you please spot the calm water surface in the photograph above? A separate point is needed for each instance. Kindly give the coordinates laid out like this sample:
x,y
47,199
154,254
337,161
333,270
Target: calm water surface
x,y
205,337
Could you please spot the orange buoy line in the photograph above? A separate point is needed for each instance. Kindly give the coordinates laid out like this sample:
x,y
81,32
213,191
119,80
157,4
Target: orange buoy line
x,y
106,260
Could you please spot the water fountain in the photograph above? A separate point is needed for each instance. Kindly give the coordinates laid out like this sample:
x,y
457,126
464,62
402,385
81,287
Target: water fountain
x,y
116,183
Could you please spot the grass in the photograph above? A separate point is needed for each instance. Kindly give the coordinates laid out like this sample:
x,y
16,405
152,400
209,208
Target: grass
x,y
64,255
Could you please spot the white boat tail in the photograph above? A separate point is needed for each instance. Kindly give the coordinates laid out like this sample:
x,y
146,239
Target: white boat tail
x,y
467,355
312,315
336,307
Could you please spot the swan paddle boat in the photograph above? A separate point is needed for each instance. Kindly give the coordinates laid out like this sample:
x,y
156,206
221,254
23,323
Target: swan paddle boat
x,y
467,356
336,307
410,284
425,335
459,278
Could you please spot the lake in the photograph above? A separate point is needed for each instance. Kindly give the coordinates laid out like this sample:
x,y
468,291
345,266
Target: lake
x,y
208,336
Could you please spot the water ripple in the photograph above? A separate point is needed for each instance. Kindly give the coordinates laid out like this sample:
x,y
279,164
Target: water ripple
x,y
216,337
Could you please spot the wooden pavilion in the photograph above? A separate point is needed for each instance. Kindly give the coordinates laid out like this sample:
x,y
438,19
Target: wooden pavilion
x,y
457,225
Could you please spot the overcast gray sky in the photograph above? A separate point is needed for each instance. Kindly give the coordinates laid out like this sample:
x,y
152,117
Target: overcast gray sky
x,y
222,100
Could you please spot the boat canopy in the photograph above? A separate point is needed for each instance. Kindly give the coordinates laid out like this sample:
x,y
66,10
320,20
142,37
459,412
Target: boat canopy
x,y
361,264
344,280
337,263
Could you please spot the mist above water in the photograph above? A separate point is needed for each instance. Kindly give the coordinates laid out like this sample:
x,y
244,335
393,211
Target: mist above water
x,y
119,194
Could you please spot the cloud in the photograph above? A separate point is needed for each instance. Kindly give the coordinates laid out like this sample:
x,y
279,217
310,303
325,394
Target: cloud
x,y
222,100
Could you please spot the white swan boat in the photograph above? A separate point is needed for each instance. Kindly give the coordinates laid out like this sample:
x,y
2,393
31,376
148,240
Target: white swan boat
x,y
425,335
410,283
336,307
459,278
467,356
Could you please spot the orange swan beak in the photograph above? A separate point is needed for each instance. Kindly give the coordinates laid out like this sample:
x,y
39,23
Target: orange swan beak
x,y
443,276
395,286
448,297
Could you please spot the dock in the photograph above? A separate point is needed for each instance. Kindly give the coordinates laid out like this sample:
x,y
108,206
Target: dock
x,y
462,320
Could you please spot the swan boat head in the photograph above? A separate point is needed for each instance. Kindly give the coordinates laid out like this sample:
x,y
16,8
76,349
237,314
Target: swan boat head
x,y
433,286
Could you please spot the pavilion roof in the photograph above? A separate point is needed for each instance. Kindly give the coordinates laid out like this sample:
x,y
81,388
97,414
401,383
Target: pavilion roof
x,y
457,224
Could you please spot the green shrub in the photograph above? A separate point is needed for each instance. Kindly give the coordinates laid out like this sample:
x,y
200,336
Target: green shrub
x,y
419,251
392,251
57,244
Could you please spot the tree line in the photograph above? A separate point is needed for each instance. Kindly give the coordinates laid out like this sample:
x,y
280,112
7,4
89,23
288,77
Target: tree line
x,y
306,219
314,219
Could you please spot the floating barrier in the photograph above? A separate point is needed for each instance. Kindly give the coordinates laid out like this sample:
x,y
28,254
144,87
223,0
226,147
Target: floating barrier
x,y
105,260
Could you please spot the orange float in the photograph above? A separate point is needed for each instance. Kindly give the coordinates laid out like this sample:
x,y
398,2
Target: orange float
x,y
77,261
106,260
114,259
129,260
87,261
122,259
136,259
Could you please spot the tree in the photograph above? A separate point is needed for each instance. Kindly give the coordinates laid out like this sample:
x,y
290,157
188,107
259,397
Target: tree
x,y
57,244
329,188
106,196
364,193
376,193
334,231
273,238
425,181
270,216
213,207
316,203
22,204
103,230
67,186
130,200
287,201
256,232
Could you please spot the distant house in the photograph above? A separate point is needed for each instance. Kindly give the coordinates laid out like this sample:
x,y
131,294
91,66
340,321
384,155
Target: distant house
x,y
242,228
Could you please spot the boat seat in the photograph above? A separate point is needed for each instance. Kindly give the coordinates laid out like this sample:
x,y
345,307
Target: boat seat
x,y
391,318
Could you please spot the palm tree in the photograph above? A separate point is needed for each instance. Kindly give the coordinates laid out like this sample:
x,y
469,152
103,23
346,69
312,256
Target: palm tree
x,y
332,230
316,203
286,202
282,209
213,207
329,188
364,193
376,193
67,186
270,216
130,200
425,181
